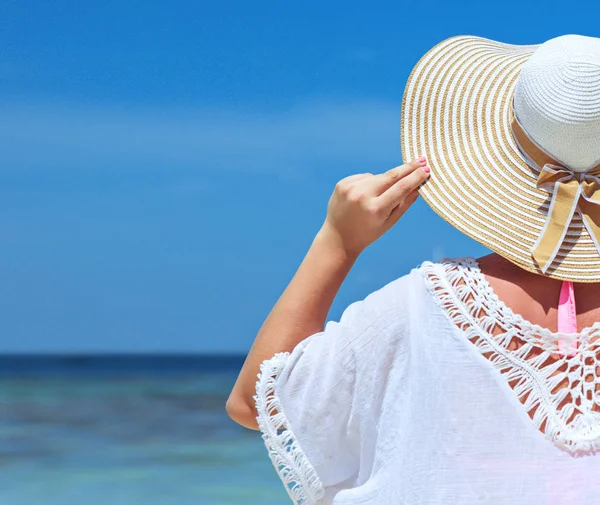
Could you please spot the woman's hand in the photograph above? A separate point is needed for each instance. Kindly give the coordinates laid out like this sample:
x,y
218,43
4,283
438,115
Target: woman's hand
x,y
364,206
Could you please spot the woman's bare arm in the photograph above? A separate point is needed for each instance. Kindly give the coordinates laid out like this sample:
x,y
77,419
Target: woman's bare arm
x,y
300,312
362,208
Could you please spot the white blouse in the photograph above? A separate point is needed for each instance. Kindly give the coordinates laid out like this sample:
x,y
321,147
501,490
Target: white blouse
x,y
432,391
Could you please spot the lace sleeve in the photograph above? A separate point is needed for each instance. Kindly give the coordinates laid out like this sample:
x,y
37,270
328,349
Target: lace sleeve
x,y
291,463
316,405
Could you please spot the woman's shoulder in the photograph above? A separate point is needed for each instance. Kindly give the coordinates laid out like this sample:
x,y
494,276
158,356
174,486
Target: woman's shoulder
x,y
402,305
415,286
408,299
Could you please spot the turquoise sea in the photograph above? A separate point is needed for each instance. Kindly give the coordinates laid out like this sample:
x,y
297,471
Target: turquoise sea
x,y
127,430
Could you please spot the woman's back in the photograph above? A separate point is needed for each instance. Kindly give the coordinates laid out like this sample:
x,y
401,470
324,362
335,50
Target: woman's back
x,y
535,297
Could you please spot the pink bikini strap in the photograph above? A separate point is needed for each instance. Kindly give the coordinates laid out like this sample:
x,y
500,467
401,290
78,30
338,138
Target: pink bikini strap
x,y
567,317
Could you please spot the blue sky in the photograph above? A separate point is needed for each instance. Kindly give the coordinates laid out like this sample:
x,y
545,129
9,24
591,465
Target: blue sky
x,y
165,166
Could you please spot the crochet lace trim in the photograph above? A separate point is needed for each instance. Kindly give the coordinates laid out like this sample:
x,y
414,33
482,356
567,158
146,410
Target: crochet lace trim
x,y
293,467
559,393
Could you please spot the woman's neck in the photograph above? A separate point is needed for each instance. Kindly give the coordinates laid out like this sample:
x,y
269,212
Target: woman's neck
x,y
536,296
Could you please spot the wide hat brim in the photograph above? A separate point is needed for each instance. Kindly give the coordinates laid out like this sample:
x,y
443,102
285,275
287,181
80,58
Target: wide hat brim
x,y
456,112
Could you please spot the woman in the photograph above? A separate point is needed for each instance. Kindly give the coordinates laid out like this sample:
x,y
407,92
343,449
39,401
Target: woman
x,y
466,380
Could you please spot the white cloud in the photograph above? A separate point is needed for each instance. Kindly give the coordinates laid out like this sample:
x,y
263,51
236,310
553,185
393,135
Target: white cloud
x,y
313,132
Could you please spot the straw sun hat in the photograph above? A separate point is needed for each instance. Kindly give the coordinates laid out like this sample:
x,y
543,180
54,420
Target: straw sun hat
x,y
512,135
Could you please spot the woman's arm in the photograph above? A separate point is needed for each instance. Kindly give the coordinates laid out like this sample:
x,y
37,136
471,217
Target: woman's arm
x,y
300,312
362,208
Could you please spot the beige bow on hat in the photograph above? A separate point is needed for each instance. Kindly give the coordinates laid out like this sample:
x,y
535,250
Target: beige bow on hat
x,y
571,191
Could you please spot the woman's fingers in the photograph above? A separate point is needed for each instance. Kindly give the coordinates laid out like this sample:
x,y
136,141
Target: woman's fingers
x,y
382,182
348,183
399,210
395,195
353,178
359,214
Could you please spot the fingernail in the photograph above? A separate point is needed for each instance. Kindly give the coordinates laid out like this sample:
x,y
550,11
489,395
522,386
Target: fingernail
x,y
422,159
426,169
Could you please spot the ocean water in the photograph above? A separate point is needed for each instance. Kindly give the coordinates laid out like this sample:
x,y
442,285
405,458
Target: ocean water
x,y
127,430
